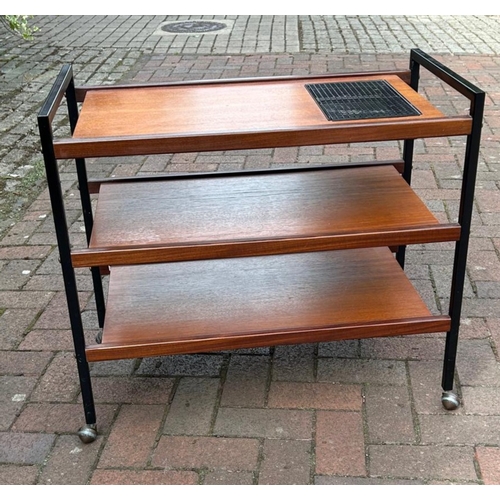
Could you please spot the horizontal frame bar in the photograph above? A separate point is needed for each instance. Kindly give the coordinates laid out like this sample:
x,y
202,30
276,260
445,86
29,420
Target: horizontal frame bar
x,y
453,79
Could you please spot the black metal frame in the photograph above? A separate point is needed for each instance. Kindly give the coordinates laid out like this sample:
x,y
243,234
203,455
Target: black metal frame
x,y
64,86
86,202
476,97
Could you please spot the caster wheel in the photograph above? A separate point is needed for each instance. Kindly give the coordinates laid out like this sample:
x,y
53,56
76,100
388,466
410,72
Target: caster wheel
x,y
450,400
98,337
88,433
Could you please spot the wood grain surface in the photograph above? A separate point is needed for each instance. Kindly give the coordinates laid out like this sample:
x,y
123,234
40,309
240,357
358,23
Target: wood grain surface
x,y
215,108
229,303
244,115
250,215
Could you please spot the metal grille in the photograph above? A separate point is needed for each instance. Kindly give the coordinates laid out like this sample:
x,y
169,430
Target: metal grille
x,y
360,100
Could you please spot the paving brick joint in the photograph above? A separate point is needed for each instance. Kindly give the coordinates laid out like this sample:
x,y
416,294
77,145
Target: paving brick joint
x,y
353,412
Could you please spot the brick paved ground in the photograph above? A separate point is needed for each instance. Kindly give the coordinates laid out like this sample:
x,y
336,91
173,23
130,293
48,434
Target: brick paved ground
x,y
357,412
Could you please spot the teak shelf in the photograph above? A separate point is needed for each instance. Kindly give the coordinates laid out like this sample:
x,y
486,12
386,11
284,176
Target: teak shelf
x,y
255,301
206,262
252,214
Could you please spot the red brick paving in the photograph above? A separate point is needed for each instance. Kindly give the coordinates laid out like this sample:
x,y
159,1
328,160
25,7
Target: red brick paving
x,y
246,381
182,452
24,448
286,462
18,475
132,437
424,462
489,464
389,415
340,444
223,478
192,408
321,396
264,423
59,417
70,462
143,477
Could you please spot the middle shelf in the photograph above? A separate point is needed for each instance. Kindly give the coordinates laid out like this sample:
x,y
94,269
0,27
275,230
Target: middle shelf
x,y
224,215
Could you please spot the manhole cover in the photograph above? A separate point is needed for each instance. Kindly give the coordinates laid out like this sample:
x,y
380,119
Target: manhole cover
x,y
193,27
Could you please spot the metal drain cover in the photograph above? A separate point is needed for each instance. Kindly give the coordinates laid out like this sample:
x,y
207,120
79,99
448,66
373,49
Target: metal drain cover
x,y
193,27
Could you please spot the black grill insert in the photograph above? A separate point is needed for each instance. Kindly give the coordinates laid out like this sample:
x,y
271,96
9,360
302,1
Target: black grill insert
x,y
360,100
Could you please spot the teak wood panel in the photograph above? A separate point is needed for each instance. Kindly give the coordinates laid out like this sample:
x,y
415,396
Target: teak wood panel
x,y
255,214
81,91
234,116
220,108
94,184
230,303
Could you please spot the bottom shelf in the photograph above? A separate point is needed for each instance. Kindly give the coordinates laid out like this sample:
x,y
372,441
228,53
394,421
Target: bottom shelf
x,y
210,305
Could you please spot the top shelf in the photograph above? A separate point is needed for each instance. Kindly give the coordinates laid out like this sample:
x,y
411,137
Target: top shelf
x,y
209,116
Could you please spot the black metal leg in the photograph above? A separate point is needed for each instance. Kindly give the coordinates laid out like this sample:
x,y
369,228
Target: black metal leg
x,y
449,398
408,162
408,153
88,432
461,249
88,219
89,223
477,98
460,262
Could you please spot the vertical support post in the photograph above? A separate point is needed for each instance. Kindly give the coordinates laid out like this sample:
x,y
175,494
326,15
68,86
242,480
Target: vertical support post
x,y
477,98
408,151
86,204
462,245
45,117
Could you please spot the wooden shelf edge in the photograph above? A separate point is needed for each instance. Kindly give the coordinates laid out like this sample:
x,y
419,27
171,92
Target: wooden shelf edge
x,y
431,324
331,133
91,257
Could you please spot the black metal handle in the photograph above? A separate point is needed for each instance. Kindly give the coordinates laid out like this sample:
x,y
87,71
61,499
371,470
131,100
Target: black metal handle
x,y
56,94
459,83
